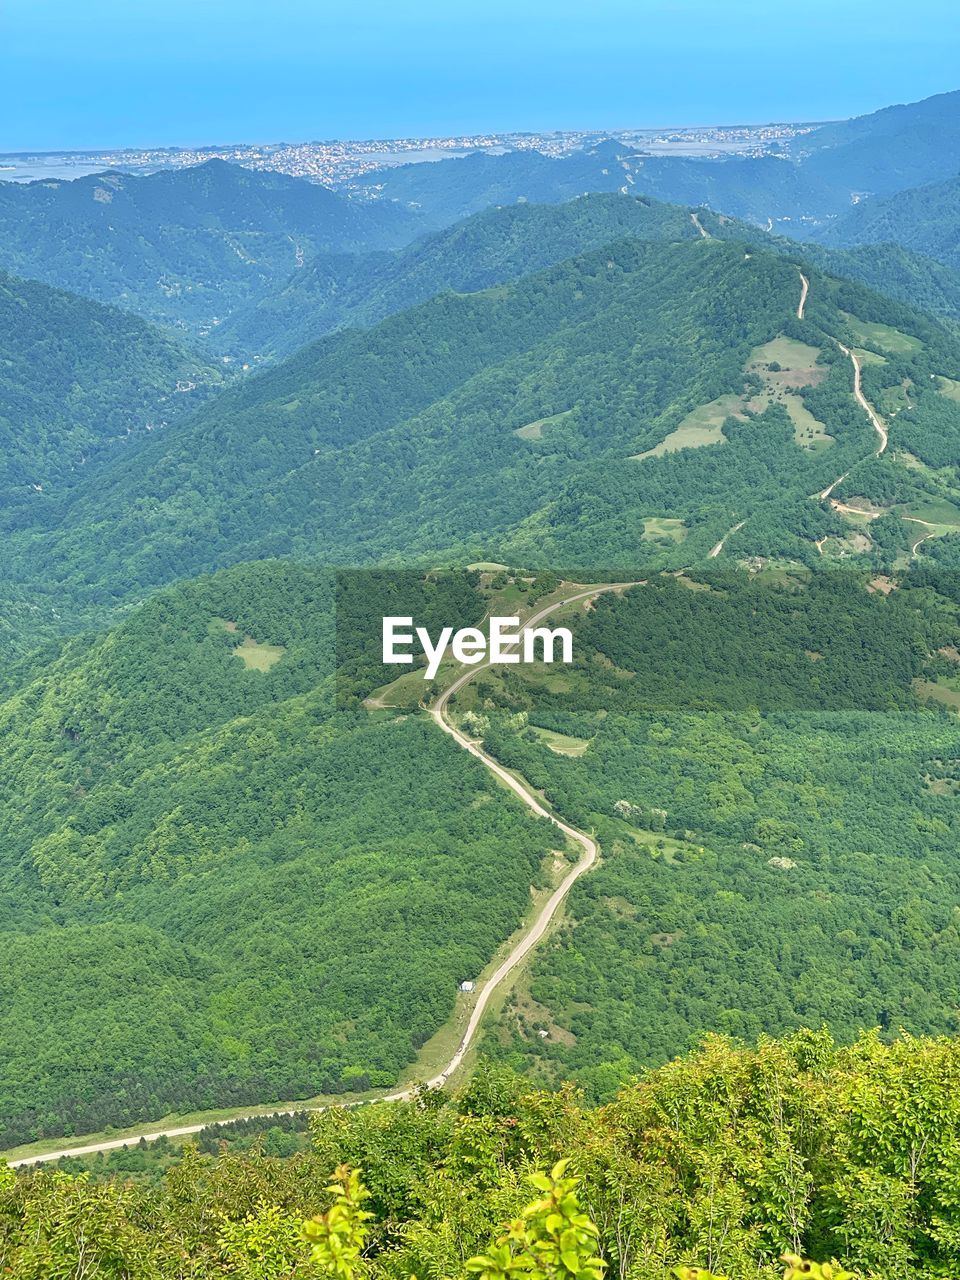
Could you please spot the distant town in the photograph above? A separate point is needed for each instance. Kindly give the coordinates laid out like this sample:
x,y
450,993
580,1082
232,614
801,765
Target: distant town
x,y
337,163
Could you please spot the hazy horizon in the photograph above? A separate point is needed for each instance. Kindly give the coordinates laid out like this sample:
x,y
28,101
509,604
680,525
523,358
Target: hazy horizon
x,y
106,77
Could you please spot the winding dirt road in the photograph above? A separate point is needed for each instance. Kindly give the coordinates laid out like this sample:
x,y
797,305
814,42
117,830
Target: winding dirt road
x,y
715,551
862,400
804,290
872,414
532,934
923,538
700,227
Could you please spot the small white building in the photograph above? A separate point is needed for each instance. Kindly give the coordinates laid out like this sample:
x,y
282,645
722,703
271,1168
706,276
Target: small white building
x,y
468,985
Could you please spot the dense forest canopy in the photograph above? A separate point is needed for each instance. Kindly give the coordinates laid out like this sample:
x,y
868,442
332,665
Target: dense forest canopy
x,y
239,866
632,405
777,812
183,247
726,1159
214,886
189,810
78,382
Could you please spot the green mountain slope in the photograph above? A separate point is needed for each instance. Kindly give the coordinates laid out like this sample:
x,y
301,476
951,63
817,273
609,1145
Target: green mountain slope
x,y
925,220
182,247
490,248
777,811
559,419
891,269
79,381
203,898
888,150
755,188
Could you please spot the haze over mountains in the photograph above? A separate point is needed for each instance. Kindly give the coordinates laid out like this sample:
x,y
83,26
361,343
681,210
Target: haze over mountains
x,y
77,378
183,248
823,173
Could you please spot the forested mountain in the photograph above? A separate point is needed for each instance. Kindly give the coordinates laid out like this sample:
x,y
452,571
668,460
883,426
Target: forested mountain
x,y
888,268
183,247
559,419
753,188
925,220
492,247
740,746
506,242
727,1158
217,884
888,150
216,887
79,381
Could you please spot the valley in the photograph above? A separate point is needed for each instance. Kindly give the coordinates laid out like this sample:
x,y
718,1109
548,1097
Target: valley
x,y
288,883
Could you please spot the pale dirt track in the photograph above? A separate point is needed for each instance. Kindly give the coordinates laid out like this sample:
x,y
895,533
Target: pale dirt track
x,y
804,290
923,538
715,551
863,402
532,934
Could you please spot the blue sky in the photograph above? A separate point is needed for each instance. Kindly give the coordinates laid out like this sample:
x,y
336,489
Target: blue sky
x,y
106,73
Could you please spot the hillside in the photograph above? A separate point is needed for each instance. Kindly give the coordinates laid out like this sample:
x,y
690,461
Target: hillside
x,y
824,171
902,146
754,188
728,1158
203,899
181,247
627,407
79,382
504,243
925,220
775,806
490,248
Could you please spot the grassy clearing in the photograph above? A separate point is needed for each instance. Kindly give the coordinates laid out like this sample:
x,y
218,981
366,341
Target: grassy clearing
x,y
797,361
704,426
808,432
660,845
949,387
894,399
405,691
883,336
909,460
935,510
784,366
940,691
255,656
259,657
562,744
663,528
868,357
535,430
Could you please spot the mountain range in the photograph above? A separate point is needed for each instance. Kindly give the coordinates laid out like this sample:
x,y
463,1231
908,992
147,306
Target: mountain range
x,y
219,883
182,248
